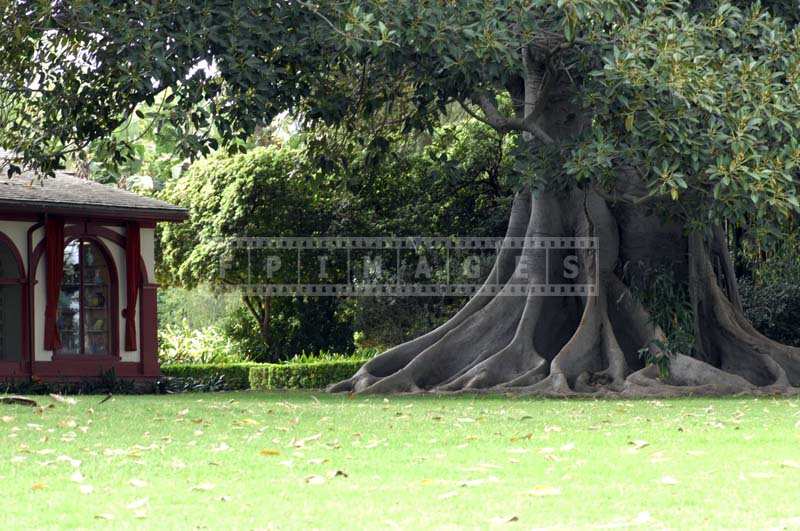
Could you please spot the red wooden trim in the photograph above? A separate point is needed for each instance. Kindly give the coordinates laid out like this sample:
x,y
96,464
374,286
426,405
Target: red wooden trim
x,y
11,370
79,370
148,330
12,215
84,357
24,210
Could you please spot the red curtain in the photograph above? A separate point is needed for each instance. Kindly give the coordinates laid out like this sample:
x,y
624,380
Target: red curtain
x,y
54,256
132,280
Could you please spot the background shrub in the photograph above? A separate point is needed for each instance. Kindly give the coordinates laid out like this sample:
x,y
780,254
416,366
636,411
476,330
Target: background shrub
x,y
230,376
315,375
773,308
181,344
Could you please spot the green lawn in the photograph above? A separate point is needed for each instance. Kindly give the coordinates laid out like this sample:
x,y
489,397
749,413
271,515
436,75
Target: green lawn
x,y
300,460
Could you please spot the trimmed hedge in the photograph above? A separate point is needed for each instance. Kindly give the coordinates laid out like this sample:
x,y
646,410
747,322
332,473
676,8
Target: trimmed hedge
x,y
315,375
234,375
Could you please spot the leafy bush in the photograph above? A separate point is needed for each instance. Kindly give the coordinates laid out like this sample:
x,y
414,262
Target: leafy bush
x,y
317,375
667,298
296,325
773,308
223,376
361,354
184,345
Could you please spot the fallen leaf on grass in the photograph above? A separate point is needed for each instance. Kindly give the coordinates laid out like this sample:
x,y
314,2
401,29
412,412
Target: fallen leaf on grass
x,y
63,399
104,516
38,486
67,423
138,504
299,443
315,480
542,490
267,452
501,520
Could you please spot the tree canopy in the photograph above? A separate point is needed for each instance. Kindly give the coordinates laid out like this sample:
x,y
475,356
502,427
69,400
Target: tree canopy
x,y
698,99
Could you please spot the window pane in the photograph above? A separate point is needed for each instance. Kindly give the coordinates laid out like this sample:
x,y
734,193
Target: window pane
x,y
69,308
84,310
8,262
10,322
96,316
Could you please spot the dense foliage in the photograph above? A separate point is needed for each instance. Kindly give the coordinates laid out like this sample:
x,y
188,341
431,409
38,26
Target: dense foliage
x,y
253,194
454,181
698,98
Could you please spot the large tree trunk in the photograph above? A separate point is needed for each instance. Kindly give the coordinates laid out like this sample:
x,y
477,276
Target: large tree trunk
x,y
591,344
558,346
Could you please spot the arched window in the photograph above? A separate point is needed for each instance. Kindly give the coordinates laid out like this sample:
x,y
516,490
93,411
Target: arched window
x,y
84,307
11,281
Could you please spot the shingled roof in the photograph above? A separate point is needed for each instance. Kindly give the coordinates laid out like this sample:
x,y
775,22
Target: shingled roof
x,y
66,194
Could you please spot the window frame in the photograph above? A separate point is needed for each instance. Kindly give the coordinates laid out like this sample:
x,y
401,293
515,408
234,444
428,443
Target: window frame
x,y
112,310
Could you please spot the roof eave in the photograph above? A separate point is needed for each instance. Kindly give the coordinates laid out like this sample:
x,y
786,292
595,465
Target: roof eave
x,y
99,211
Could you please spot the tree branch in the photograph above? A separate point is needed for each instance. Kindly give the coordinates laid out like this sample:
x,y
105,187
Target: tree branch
x,y
505,124
631,199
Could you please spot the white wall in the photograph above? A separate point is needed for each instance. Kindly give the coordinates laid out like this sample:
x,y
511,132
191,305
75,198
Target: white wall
x,y
148,252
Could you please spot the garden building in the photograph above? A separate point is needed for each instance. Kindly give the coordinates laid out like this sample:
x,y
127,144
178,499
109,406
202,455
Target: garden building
x,y
77,288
